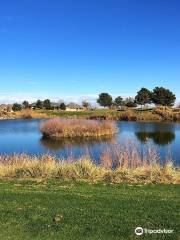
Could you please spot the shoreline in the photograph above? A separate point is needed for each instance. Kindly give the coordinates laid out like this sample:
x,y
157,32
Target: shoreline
x,y
158,115
53,117
22,166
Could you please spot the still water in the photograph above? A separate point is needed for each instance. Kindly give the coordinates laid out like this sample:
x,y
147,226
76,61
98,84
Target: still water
x,y
23,136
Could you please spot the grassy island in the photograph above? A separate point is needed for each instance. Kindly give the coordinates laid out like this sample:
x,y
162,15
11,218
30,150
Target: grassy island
x,y
70,128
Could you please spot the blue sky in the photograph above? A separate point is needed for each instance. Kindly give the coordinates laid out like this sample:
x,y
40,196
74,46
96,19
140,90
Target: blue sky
x,y
77,49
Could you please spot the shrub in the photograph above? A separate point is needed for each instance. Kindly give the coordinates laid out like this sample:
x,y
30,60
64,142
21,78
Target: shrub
x,y
27,114
86,169
16,107
167,113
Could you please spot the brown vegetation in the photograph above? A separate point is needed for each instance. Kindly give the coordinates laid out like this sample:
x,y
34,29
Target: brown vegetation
x,y
5,112
167,113
128,115
69,128
158,114
48,167
29,113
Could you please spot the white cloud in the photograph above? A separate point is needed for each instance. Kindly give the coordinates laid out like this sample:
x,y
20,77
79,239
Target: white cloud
x,y
32,97
20,97
15,98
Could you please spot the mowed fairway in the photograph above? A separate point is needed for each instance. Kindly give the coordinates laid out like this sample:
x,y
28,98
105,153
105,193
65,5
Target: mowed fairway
x,y
79,210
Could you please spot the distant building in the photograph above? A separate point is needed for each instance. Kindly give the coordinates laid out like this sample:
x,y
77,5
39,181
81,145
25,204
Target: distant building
x,y
55,105
32,105
74,107
69,107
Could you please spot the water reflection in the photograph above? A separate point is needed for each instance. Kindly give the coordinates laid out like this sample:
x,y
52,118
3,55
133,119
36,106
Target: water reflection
x,y
58,144
161,134
23,136
160,138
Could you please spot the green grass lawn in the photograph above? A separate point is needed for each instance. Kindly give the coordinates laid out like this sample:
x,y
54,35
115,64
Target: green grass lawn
x,y
78,210
88,113
132,114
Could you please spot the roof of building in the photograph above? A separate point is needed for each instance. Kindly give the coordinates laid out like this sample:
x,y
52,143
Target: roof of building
x,y
54,104
32,104
73,105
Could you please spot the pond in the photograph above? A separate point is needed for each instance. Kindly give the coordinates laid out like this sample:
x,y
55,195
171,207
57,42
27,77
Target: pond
x,y
23,136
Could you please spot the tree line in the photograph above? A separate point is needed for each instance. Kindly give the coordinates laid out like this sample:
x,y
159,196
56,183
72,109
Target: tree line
x,y
159,96
46,104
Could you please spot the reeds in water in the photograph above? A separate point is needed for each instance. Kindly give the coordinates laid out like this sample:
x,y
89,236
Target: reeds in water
x,y
70,128
48,167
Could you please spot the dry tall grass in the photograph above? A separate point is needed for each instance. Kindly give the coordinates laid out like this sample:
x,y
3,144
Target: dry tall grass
x,y
135,166
6,115
127,115
167,113
29,113
129,155
57,128
48,167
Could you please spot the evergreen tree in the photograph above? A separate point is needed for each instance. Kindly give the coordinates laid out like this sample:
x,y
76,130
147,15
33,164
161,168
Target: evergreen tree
x,y
63,106
39,104
47,104
25,104
163,96
118,101
143,97
105,100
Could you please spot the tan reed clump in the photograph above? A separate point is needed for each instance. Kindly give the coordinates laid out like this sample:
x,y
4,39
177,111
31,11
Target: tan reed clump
x,y
131,166
145,174
29,114
69,128
167,113
27,166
